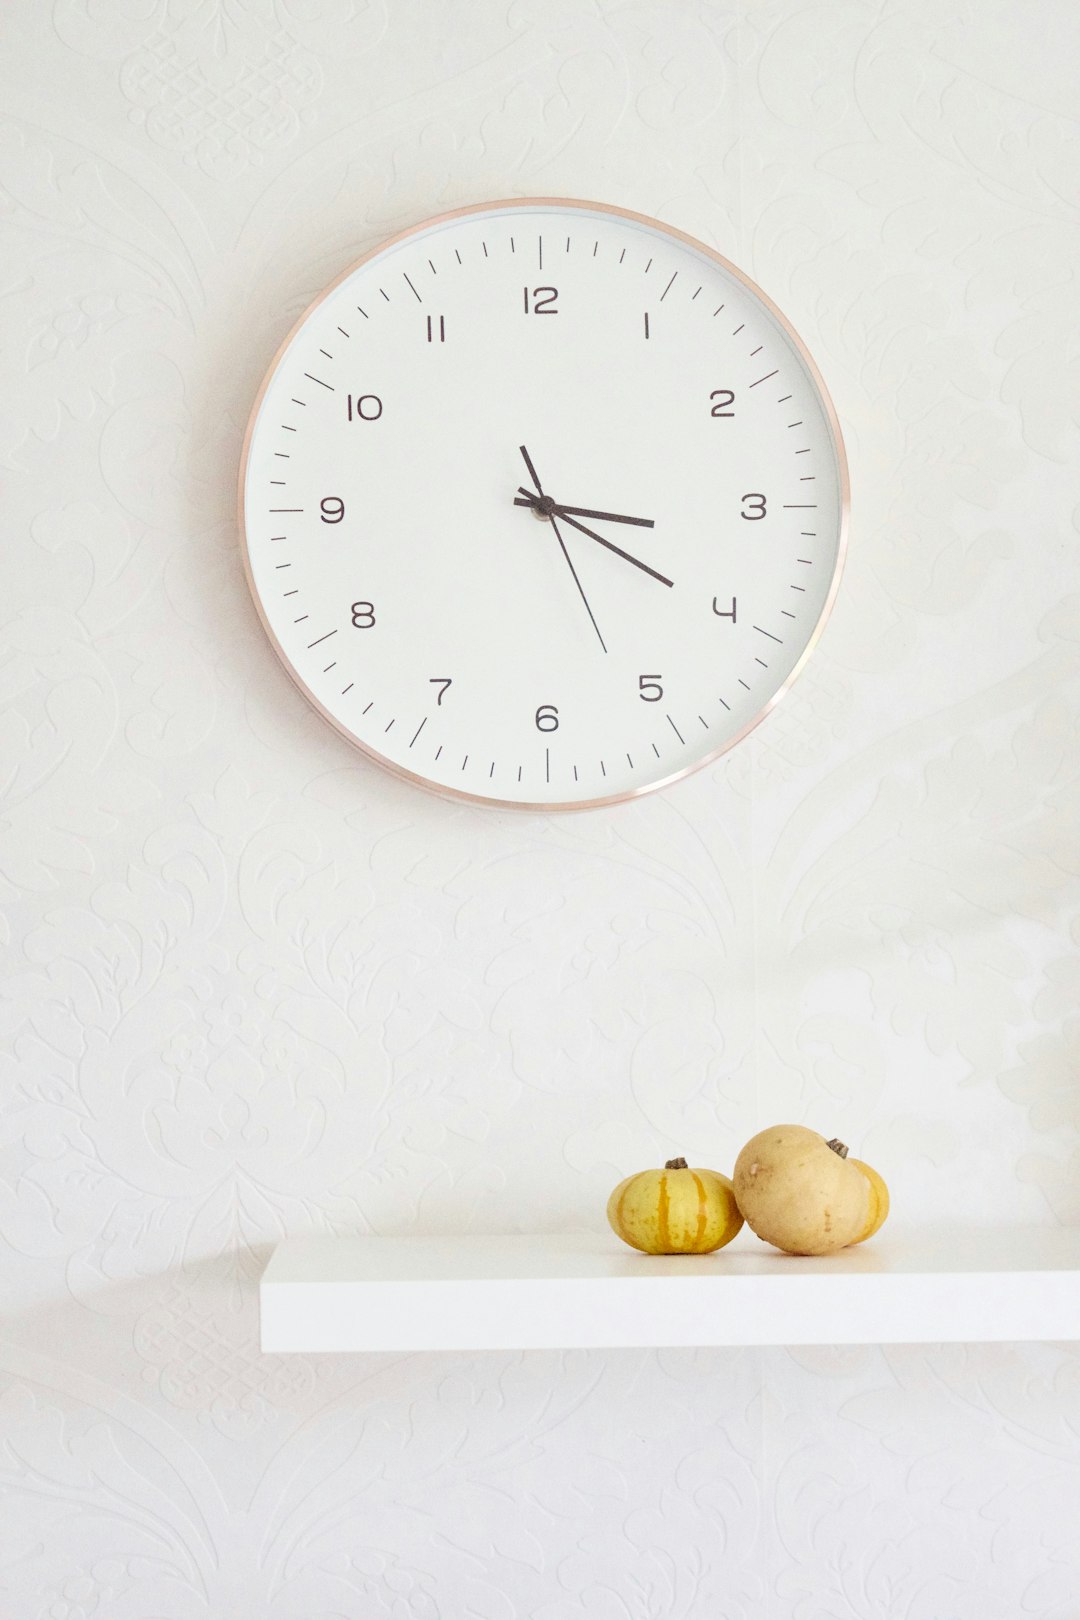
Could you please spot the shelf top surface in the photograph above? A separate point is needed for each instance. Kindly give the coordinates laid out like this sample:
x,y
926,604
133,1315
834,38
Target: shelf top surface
x,y
588,1257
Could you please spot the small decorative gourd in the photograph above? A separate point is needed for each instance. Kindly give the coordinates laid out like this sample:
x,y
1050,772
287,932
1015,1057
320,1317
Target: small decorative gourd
x,y
675,1210
803,1194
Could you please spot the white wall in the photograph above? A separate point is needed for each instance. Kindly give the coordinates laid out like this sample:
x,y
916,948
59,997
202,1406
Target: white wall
x,y
256,986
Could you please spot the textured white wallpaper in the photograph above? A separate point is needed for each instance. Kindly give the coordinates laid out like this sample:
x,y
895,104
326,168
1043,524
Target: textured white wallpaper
x,y
254,986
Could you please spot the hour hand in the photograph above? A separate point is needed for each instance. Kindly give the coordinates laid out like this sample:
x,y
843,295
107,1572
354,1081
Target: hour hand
x,y
584,511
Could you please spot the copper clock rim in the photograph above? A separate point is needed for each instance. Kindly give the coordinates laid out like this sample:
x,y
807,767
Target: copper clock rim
x,y
505,205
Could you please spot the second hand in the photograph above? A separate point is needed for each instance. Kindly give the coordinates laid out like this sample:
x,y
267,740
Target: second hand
x,y
577,582
562,546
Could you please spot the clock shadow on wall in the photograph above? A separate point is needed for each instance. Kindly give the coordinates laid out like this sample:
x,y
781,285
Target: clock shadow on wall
x,y
543,504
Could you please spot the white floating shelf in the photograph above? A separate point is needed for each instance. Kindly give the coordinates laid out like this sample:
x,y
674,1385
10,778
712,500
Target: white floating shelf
x,y
573,1291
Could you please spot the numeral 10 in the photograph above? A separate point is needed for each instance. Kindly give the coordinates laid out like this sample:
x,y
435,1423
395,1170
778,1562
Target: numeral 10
x,y
365,407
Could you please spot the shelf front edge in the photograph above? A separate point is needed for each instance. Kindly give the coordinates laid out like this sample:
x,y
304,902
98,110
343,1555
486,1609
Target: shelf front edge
x,y
652,1312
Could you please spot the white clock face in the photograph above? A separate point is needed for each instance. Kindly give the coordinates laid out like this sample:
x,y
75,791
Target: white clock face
x,y
543,504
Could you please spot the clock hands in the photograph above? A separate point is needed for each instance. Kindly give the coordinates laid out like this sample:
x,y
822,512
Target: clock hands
x,y
544,506
543,499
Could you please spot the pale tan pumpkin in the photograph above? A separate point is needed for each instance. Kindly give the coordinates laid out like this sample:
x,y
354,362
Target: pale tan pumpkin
x,y
675,1210
803,1194
879,1199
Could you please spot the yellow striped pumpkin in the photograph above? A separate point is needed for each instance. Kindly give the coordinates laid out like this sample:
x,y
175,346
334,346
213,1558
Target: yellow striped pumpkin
x,y
675,1210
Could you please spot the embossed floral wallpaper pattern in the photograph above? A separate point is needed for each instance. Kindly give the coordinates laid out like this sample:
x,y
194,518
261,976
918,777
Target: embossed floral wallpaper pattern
x,y
254,987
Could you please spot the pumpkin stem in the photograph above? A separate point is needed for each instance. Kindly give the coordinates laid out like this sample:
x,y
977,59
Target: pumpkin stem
x,y
838,1147
676,1164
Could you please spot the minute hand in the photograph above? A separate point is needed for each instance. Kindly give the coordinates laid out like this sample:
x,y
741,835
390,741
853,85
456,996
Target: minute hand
x,y
645,569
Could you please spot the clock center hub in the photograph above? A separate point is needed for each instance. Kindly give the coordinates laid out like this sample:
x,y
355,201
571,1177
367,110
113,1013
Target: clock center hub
x,y
544,507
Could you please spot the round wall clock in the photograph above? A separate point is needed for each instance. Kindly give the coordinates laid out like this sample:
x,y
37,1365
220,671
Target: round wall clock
x,y
543,504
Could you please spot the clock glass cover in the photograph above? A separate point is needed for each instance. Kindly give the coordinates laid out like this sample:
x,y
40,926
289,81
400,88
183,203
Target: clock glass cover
x,y
543,504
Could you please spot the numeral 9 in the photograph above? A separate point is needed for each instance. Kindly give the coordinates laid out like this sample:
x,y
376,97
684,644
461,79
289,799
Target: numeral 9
x,y
332,509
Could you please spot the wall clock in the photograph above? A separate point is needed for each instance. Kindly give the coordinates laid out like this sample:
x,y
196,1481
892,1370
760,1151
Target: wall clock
x,y
543,504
